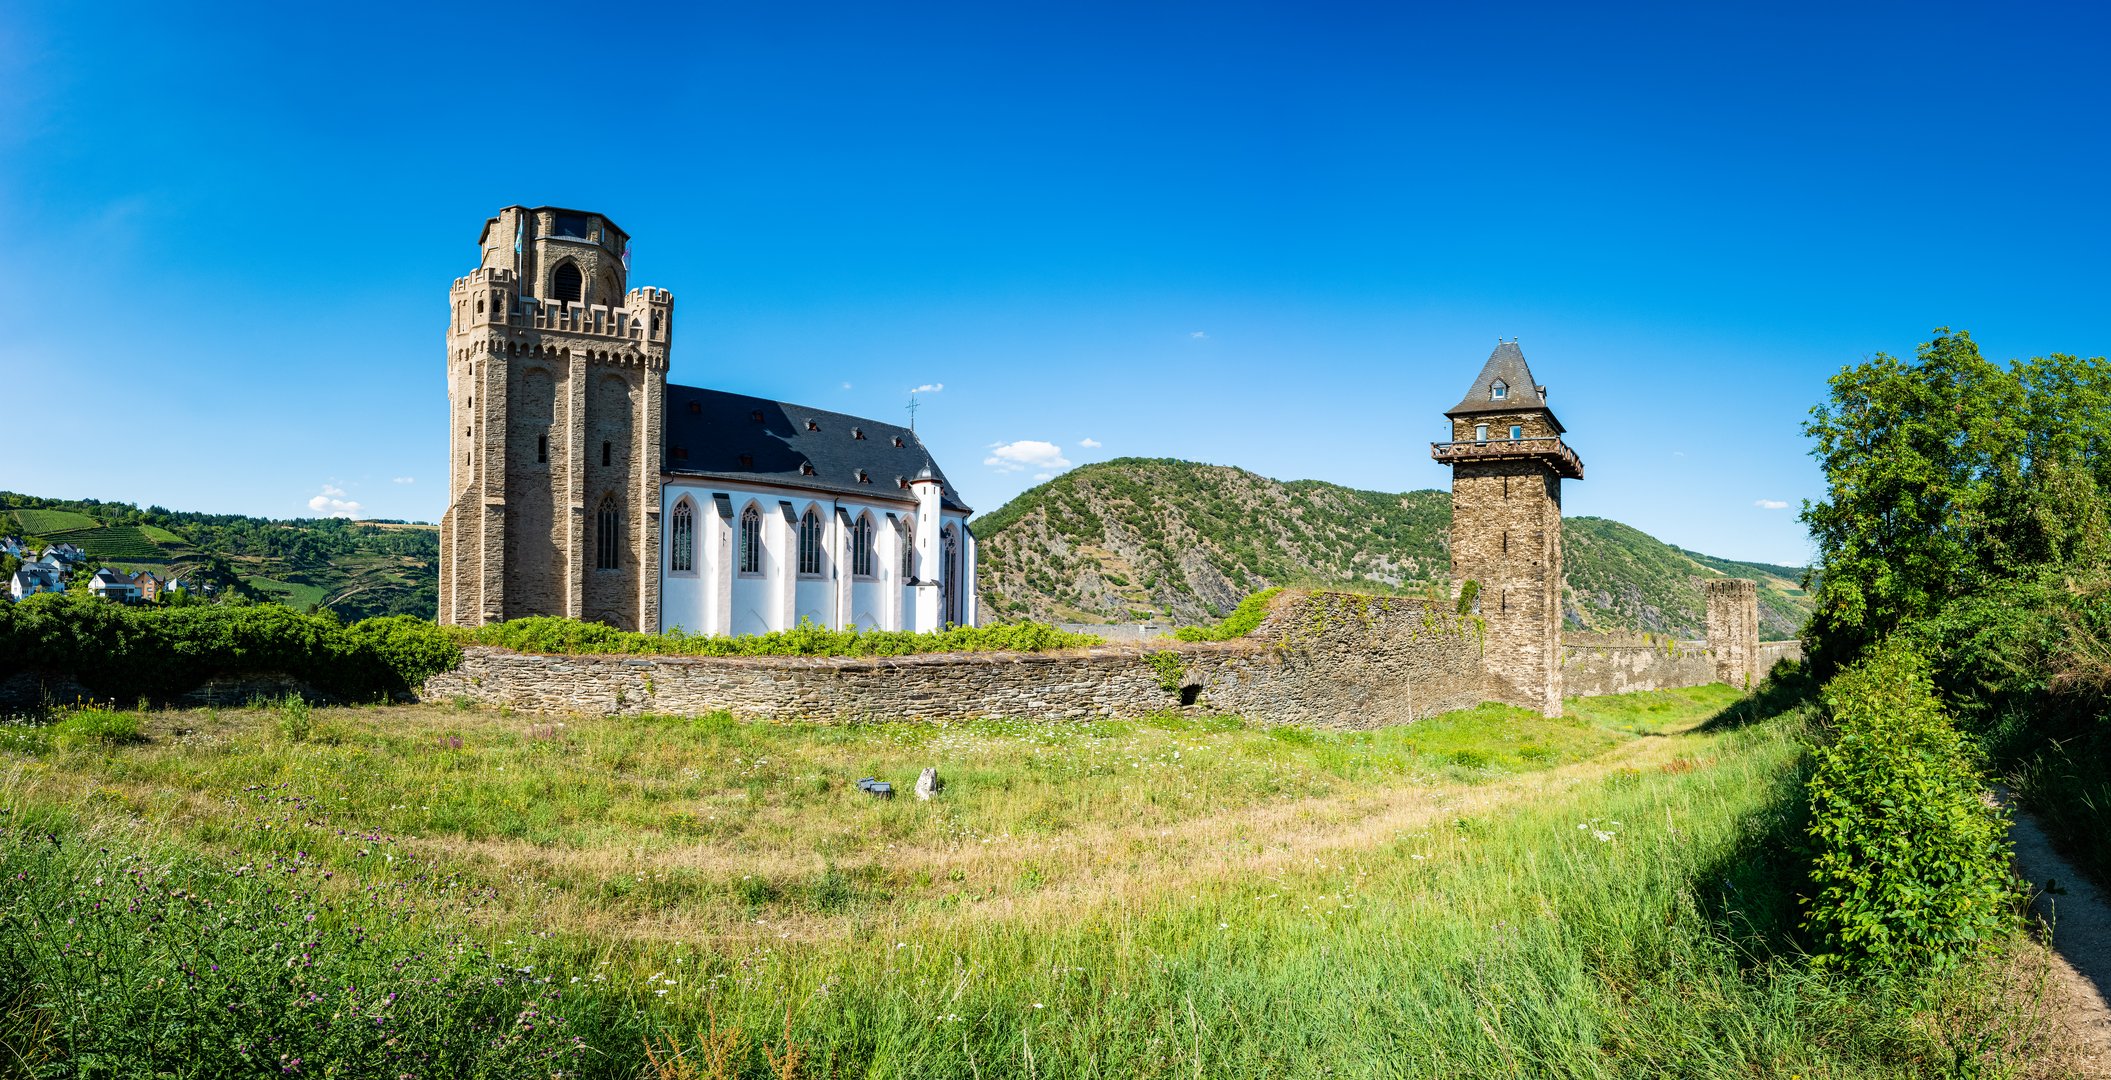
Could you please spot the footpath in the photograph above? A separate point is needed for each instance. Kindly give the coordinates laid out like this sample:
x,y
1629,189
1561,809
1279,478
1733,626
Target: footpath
x,y
2080,982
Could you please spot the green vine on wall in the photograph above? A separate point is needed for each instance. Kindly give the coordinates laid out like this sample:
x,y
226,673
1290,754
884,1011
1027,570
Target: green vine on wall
x,y
1172,671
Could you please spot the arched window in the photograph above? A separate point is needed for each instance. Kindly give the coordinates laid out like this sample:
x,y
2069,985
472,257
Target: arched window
x,y
1499,390
568,284
608,535
751,540
681,551
949,577
861,560
810,542
908,549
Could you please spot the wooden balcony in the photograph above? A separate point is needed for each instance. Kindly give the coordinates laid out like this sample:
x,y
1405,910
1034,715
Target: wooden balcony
x,y
1553,452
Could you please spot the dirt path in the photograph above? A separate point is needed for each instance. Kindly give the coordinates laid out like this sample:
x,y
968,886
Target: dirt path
x,y
2081,942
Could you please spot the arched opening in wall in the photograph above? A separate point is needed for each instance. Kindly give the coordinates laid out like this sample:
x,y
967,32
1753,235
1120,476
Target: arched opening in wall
x,y
681,538
751,540
1191,693
567,284
608,535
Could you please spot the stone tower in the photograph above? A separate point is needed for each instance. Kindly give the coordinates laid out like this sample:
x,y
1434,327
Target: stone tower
x,y
556,375
1733,629
1507,463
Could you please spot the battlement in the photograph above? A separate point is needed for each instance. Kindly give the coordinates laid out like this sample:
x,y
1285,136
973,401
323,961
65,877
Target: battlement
x,y
648,295
597,320
488,275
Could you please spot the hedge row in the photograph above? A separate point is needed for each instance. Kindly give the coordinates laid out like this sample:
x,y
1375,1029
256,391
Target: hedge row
x,y
158,653
542,634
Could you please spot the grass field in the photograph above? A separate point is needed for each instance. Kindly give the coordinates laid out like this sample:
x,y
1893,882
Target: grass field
x,y
293,594
1486,893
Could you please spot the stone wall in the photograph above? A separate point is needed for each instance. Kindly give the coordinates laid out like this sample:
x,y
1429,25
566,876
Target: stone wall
x,y
1595,664
1733,630
1324,659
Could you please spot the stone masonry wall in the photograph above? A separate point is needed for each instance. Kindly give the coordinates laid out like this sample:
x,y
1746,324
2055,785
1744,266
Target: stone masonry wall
x,y
1594,664
1324,660
1733,630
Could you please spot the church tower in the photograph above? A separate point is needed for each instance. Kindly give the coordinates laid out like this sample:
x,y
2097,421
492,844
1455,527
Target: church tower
x,y
556,379
1507,463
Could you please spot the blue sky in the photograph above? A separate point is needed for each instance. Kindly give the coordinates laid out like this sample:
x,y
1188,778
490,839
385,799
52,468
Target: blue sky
x,y
1282,237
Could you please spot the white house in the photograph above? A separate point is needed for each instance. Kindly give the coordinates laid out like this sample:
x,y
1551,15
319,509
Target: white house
x,y
111,585
33,578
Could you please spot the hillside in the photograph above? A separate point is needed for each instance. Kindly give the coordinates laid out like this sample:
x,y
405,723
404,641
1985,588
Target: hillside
x,y
355,569
1137,538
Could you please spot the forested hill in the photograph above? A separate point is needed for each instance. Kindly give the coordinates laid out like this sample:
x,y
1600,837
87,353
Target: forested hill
x,y
355,569
1138,538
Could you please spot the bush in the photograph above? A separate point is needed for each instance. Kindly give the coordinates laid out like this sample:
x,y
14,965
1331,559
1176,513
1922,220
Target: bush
x,y
160,652
1910,863
543,634
1238,624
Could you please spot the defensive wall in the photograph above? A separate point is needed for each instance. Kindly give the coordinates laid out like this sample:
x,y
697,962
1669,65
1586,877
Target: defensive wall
x,y
1331,660
1595,664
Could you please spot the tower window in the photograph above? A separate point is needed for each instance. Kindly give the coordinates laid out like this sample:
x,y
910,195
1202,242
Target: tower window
x,y
572,225
542,449
1480,433
607,452
750,540
681,550
861,559
607,535
810,543
1516,432
567,284
908,550
1499,390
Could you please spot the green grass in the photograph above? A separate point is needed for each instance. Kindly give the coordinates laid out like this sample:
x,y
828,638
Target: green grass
x,y
162,536
110,542
45,522
1487,893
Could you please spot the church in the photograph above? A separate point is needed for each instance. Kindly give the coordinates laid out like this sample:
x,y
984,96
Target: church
x,y
583,484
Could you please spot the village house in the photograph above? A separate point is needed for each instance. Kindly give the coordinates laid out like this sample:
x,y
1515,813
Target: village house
x,y
111,585
34,578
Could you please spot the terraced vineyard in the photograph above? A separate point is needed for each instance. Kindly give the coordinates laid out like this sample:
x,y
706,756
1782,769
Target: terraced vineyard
x,y
356,569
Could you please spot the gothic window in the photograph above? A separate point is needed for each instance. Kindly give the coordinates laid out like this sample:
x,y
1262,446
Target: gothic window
x,y
810,543
861,560
608,535
908,550
568,284
751,540
1480,433
950,544
1516,432
682,545
1499,391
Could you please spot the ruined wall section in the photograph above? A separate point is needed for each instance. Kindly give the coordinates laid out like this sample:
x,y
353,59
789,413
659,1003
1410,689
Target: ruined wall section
x,y
1324,660
1733,630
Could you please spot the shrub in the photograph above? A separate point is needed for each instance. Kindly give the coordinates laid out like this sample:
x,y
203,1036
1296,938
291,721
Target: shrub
x,y
542,634
296,721
1910,864
1238,624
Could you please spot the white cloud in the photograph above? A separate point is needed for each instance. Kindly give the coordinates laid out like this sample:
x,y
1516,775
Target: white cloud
x,y
332,503
928,388
1770,504
404,480
1198,335
1089,444
1026,454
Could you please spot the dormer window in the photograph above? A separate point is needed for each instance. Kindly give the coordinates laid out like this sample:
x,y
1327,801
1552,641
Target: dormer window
x,y
813,425
1499,390
806,468
857,433
756,416
897,442
863,478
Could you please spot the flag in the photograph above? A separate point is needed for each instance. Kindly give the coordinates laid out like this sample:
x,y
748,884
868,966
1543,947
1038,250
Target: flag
x,y
626,256
520,234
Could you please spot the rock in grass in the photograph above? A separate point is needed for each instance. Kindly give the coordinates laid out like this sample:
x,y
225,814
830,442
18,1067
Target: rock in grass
x,y
879,789
928,784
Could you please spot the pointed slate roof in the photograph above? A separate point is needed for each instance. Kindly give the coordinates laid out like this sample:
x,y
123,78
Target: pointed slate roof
x,y
1507,364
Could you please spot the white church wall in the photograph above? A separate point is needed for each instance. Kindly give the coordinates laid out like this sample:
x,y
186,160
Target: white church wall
x,y
778,597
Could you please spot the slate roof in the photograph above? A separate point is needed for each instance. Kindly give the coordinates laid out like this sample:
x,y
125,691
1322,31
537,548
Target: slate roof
x,y
709,431
1507,363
